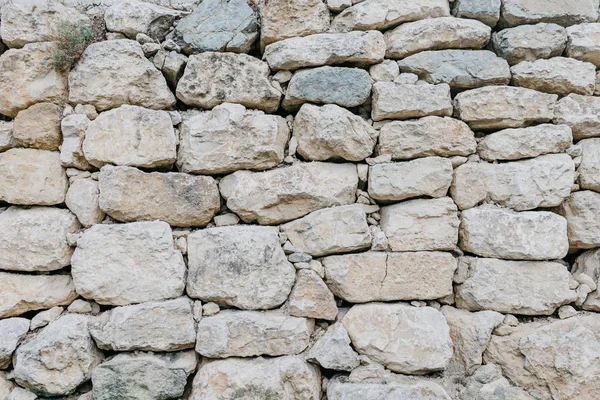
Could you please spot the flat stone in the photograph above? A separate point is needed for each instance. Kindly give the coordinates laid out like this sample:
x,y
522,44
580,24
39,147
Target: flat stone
x,y
347,87
7,140
128,263
430,176
461,69
486,11
421,225
240,266
38,126
581,113
428,136
379,276
543,181
403,101
499,107
584,42
12,331
518,143
421,389
529,42
581,210
435,34
589,169
82,200
558,75
414,340
131,17
133,78
500,233
128,194
73,129
271,334
285,194
214,78
562,12
229,138
515,287
32,177
333,350
311,298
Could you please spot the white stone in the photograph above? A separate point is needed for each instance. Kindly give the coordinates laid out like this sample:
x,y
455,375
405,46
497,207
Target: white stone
x,y
131,17
80,307
583,225
82,200
333,350
43,318
530,42
386,71
584,42
403,101
557,75
562,12
12,331
581,113
589,169
311,298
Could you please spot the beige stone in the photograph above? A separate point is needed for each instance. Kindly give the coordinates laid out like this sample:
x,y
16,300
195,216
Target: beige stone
x,y
529,42
39,126
581,113
557,75
131,17
82,200
415,389
73,129
562,12
403,101
7,140
584,42
589,170
333,350
583,225
311,298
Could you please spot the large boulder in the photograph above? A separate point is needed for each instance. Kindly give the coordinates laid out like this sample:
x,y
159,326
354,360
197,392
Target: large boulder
x,y
581,210
38,126
562,12
12,331
589,169
584,43
131,17
529,42
581,113
404,101
559,75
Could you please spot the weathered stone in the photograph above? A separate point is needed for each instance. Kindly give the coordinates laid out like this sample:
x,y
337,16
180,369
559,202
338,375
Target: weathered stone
x,y
116,72
486,11
73,129
378,276
43,318
558,75
282,378
229,138
128,263
403,101
347,87
39,126
500,233
583,225
311,298
588,263
270,333
429,136
382,14
333,350
435,34
461,69
430,176
422,224
413,340
132,376
386,71
82,200
581,113
172,66
516,287
58,359
28,76
21,293
131,135
284,194
559,359
422,389
81,307
544,181
515,144
131,17
35,239
584,42
589,169
7,140
562,12
530,42
240,266
499,107
32,177
218,25
356,48
339,5
12,331
128,194
214,78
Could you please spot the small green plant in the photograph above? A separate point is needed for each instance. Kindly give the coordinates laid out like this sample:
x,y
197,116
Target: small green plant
x,y
71,39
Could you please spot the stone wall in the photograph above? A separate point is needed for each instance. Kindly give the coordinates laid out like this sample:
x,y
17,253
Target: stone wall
x,y
301,200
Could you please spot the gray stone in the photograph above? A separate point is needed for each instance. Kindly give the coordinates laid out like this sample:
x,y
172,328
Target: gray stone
x,y
562,12
81,307
558,75
413,389
581,210
530,42
7,140
12,331
486,11
131,17
82,200
333,350
589,169
581,113
584,42
43,318
172,65
404,101
311,298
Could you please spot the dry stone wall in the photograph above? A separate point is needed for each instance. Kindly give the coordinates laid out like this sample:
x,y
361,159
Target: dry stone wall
x,y
301,200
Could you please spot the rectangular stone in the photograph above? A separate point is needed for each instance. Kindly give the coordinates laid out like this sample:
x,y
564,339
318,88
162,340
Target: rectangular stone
x,y
562,12
581,113
581,209
589,169
403,101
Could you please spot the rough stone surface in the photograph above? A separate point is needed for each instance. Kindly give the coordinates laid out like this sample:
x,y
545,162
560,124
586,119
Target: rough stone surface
x,y
584,42
558,75
38,126
131,17
7,140
43,318
486,11
581,210
562,12
333,350
529,42
12,331
73,129
413,389
581,113
311,298
82,200
403,101
589,170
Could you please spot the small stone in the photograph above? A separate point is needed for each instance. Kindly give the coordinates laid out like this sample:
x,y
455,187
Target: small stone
x,y
7,140
38,126
197,310
43,318
209,309
311,298
142,38
386,71
150,49
12,331
557,75
565,312
73,129
486,11
80,307
582,293
589,169
403,101
382,159
299,257
580,210
82,200
282,76
581,113
585,279
172,65
226,219
316,266
562,12
583,43
333,350
530,42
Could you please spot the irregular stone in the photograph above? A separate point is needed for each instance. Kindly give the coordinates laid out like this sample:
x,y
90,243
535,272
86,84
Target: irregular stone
x,y
35,239
311,298
282,378
515,144
499,107
284,194
131,376
73,129
382,14
414,340
347,87
558,75
38,126
422,389
339,5
529,42
333,350
581,211
429,136
128,263
58,359
7,140
516,287
562,12
128,194
32,177
584,42
422,224
240,266
386,71
116,72
229,138
356,48
589,169
172,66
581,113
500,233
12,331
28,76
486,11
82,200
43,318
23,293
543,181
379,276
271,334
81,307
131,17
214,78
435,34
430,176
403,101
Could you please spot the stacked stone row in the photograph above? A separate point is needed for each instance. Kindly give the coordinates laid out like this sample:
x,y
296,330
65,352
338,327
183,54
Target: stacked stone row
x,y
323,200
